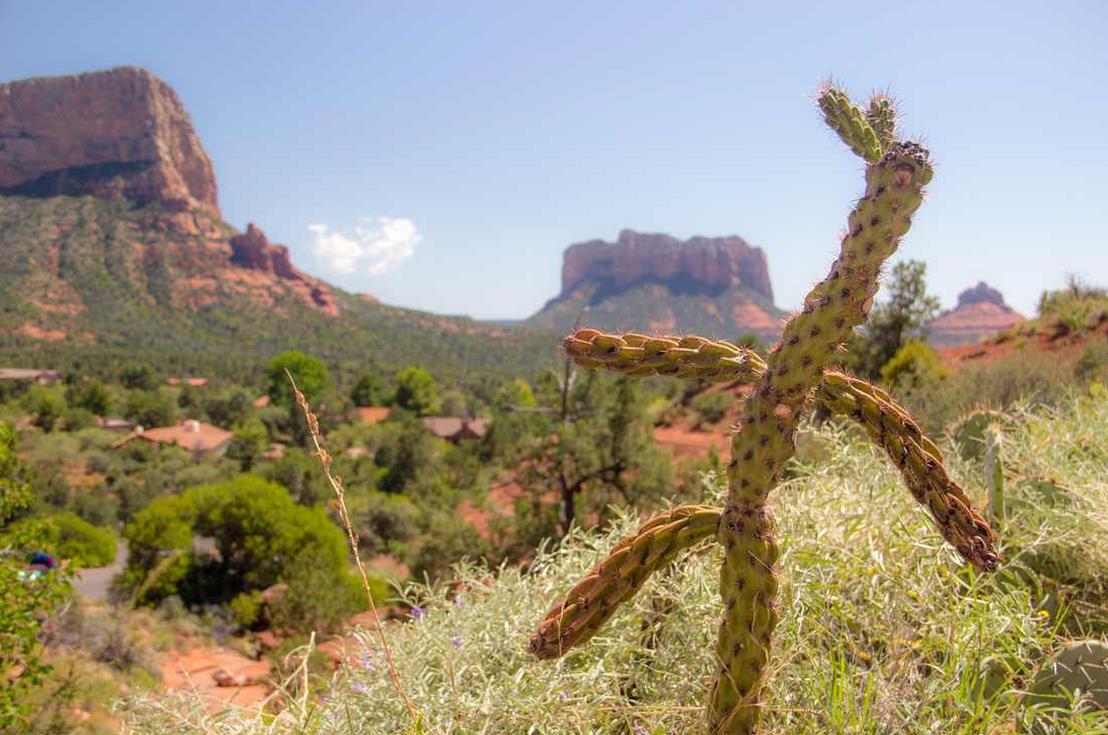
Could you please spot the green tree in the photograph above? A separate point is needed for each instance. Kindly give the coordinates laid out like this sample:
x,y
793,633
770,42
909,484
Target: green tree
x,y
262,538
416,391
250,440
46,406
137,377
91,395
310,373
900,319
369,390
150,408
26,600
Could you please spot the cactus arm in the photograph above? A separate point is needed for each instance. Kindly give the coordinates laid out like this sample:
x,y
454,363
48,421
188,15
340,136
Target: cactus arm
x,y
586,607
850,123
689,357
916,457
919,461
764,443
881,116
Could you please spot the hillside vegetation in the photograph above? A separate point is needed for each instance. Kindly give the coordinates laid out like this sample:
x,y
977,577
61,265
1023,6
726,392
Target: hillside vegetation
x,y
883,629
86,282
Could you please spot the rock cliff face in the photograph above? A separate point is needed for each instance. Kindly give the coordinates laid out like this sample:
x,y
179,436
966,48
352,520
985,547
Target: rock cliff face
x,y
980,313
710,263
123,134
114,133
716,286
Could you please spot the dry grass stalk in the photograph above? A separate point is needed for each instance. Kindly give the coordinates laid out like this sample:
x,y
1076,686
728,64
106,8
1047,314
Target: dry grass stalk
x,y
344,517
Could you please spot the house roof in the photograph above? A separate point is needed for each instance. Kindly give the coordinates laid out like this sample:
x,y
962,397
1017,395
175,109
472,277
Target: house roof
x,y
28,374
452,427
373,414
195,436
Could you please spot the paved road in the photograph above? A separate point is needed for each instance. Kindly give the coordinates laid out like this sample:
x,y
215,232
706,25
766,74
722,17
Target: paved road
x,y
93,583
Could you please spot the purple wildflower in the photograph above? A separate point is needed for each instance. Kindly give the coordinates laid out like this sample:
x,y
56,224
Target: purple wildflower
x,y
457,601
359,687
640,729
416,612
456,640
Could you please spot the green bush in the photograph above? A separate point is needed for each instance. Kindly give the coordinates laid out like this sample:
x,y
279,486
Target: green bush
x,y
310,373
913,362
416,391
82,543
262,538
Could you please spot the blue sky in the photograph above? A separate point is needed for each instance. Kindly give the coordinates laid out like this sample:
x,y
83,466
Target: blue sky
x,y
446,153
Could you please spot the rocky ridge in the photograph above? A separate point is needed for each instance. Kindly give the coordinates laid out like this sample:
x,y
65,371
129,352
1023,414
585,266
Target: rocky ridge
x,y
980,313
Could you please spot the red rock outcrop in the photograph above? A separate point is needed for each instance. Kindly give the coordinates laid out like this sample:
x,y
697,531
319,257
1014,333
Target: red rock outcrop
x,y
253,250
712,263
980,313
117,133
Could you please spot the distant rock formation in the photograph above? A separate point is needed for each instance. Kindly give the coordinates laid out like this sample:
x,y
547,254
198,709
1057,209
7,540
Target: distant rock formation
x,y
980,313
654,282
117,133
124,134
253,250
711,263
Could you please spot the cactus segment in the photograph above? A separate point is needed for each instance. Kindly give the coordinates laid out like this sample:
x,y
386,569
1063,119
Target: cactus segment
x,y
621,574
968,432
850,123
994,475
1077,675
920,464
639,356
881,116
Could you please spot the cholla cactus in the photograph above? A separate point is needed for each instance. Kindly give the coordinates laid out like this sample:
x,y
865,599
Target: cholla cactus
x,y
798,369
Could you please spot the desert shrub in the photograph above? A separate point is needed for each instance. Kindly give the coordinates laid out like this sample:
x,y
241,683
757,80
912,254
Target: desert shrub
x,y
711,407
913,362
1092,363
76,418
46,404
82,543
1034,378
91,395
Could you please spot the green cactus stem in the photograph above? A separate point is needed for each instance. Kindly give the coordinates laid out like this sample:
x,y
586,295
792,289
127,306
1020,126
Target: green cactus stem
x,y
582,612
881,116
916,457
1075,676
994,475
848,120
783,385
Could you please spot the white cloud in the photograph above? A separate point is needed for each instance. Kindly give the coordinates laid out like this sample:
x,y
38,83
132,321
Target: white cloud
x,y
378,244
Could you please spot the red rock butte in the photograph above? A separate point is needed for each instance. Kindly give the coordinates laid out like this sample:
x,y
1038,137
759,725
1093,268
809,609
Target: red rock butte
x,y
121,132
980,313
710,262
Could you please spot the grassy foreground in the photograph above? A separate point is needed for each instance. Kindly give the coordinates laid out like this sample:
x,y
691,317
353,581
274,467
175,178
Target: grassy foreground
x,y
882,627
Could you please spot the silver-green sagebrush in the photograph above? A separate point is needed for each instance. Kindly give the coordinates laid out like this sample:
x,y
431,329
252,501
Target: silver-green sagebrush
x,y
798,369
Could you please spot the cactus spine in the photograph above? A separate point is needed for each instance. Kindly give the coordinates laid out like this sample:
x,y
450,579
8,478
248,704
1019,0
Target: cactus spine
x,y
797,368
